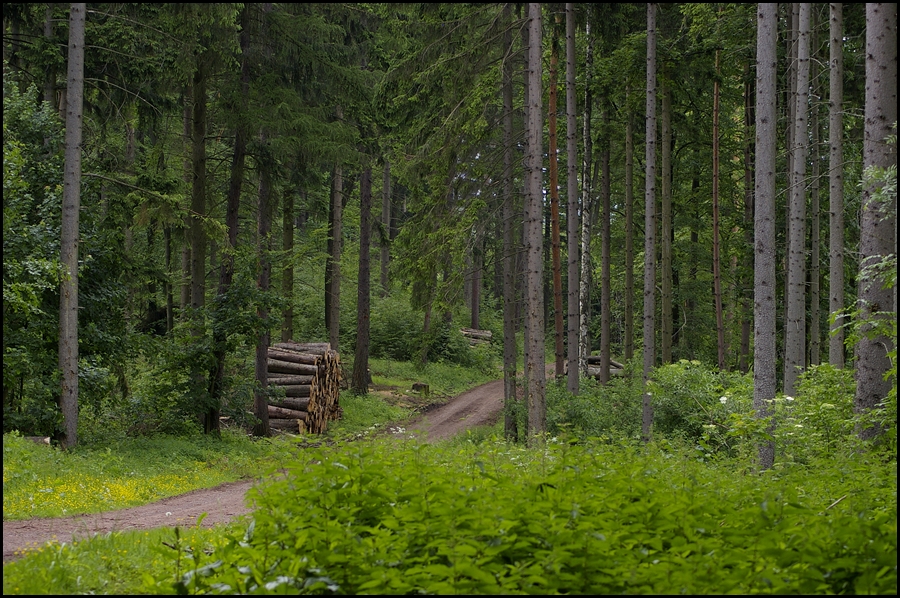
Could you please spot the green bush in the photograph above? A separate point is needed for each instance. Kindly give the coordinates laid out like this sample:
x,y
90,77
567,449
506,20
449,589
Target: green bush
x,y
693,401
611,411
399,517
819,419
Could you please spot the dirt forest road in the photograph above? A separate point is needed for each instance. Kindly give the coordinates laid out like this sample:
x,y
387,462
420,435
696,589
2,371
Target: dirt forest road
x,y
479,406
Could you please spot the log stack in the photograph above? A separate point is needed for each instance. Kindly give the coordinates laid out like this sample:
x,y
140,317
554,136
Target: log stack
x,y
310,374
475,336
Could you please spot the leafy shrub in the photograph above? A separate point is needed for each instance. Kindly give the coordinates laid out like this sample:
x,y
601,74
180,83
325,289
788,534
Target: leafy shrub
x,y
395,329
610,411
819,419
693,401
401,517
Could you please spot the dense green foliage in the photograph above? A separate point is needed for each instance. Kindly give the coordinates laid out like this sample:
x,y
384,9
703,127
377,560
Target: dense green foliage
x,y
396,516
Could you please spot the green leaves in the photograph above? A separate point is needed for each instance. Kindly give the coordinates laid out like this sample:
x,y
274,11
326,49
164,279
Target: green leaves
x,y
401,517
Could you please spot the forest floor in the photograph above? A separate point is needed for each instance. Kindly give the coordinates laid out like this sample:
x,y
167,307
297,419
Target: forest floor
x,y
480,406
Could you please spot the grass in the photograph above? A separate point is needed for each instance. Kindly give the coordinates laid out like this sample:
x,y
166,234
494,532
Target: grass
x,y
811,518
40,481
397,516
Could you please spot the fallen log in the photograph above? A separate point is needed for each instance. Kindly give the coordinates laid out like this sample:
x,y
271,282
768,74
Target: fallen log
x,y
281,412
287,380
475,333
298,404
297,426
594,371
276,366
595,360
314,348
300,390
294,356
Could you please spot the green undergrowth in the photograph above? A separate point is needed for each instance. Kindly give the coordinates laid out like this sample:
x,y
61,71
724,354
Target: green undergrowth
x,y
398,516
42,481
384,517
444,379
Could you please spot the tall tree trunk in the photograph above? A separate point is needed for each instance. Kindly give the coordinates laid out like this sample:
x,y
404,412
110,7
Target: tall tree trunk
x,y
554,205
584,289
477,277
49,73
535,375
814,237
717,265
791,38
386,227
629,232
764,266
287,271
747,282
795,319
198,238
605,305
186,116
665,234
233,202
263,232
510,424
360,382
574,311
198,189
333,261
170,298
68,296
649,222
878,222
836,185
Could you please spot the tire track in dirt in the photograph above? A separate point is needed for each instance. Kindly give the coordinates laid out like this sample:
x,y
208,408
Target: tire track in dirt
x,y
477,407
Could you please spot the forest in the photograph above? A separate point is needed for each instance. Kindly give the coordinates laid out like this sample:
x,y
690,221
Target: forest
x,y
666,227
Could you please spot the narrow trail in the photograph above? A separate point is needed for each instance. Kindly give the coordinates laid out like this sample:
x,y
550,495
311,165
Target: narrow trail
x,y
480,406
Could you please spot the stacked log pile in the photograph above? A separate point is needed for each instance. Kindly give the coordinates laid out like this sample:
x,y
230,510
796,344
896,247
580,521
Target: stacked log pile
x,y
476,337
310,374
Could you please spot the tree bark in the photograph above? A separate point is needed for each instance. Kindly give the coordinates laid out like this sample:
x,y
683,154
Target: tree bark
x,y
665,234
510,425
629,232
333,262
68,296
360,381
287,271
649,222
584,291
764,267
717,260
814,209
749,148
878,222
574,311
795,319
605,304
226,271
263,229
535,375
554,206
386,227
836,185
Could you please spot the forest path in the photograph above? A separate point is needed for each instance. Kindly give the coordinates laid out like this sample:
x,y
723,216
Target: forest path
x,y
480,406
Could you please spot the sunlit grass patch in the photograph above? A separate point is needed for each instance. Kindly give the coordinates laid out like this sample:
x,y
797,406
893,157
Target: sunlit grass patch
x,y
42,481
143,562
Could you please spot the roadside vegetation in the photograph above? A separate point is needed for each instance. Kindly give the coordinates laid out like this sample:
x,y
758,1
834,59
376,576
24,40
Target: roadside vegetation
x,y
591,511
